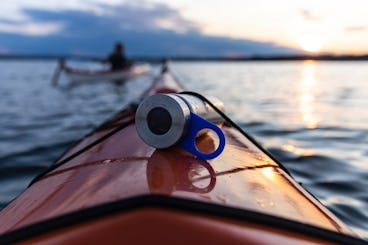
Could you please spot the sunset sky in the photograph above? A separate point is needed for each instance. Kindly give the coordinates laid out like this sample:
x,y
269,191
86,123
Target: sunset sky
x,y
184,27
324,26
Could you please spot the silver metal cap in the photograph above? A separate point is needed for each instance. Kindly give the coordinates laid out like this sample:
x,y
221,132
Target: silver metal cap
x,y
162,120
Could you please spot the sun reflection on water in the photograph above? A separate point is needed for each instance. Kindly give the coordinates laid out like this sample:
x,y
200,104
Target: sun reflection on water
x,y
297,151
307,96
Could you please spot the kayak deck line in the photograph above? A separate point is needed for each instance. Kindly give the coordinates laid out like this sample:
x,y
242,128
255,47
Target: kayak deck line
x,y
121,160
88,164
236,170
69,154
112,167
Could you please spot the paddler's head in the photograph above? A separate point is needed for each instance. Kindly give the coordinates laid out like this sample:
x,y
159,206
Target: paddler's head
x,y
119,48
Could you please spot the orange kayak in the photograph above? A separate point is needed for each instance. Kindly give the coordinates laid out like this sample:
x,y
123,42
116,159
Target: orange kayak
x,y
113,188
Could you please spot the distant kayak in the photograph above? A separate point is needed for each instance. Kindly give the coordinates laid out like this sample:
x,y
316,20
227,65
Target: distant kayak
x,y
77,75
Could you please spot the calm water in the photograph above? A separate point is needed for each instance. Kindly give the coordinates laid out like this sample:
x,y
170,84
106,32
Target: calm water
x,y
311,115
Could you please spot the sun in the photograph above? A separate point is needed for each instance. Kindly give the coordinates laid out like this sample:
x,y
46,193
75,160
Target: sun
x,y
311,44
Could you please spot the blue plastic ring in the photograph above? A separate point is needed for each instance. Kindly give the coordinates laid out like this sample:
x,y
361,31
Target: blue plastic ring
x,y
196,124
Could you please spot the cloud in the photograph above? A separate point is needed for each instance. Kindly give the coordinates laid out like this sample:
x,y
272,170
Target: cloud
x,y
356,28
309,16
31,29
143,16
23,24
145,28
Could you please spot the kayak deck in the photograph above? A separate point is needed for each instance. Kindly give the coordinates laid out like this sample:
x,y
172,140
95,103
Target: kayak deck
x,y
243,181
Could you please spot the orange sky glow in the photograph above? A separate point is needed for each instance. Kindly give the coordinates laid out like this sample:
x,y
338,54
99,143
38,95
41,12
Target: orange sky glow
x,y
339,27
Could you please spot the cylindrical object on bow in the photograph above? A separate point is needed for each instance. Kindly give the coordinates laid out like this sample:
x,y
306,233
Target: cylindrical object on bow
x,y
162,120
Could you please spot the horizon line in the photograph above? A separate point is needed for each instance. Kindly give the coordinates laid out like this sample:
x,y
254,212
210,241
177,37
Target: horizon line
x,y
159,58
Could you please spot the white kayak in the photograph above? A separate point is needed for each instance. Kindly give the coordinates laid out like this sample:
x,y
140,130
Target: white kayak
x,y
86,75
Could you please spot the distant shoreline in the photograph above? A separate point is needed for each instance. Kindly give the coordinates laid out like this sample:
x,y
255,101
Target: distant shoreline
x,y
157,59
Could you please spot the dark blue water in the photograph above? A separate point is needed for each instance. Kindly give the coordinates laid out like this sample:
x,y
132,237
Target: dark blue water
x,y
311,115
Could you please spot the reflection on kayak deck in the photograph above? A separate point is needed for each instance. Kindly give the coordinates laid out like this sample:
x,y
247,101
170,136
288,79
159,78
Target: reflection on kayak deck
x,y
167,172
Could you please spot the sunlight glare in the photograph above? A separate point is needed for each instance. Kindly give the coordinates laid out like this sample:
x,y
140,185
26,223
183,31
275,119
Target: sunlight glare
x,y
269,172
311,43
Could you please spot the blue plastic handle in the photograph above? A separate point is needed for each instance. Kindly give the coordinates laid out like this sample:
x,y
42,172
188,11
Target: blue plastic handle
x,y
188,143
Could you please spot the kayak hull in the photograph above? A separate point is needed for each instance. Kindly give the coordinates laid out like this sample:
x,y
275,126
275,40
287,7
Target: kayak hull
x,y
82,75
154,225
